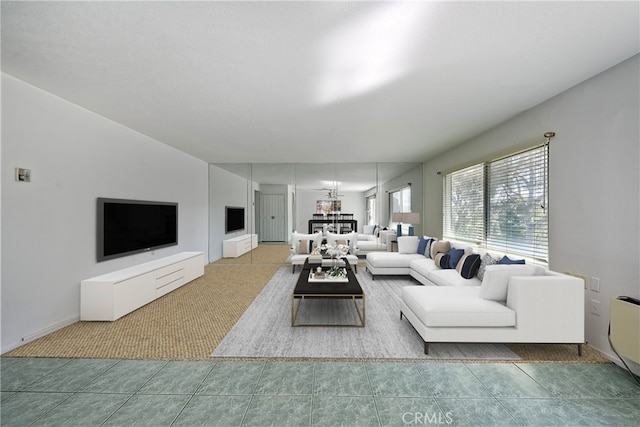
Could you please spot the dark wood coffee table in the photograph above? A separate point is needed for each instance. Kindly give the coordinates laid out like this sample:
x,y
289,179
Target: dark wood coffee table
x,y
327,290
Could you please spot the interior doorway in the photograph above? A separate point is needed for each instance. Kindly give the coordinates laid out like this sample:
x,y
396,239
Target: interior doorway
x,y
272,217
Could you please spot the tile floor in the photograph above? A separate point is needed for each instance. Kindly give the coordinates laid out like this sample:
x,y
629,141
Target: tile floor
x,y
101,392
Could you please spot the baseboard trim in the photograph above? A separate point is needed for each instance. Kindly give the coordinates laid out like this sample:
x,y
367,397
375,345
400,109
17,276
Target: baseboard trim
x,y
42,332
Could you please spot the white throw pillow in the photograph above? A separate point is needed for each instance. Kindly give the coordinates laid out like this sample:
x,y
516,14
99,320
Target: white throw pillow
x,y
495,282
408,244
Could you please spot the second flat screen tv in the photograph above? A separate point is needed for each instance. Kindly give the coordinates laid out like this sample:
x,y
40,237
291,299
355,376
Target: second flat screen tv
x,y
126,227
233,219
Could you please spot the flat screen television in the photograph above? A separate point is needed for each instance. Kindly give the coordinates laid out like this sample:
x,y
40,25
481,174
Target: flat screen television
x,y
127,227
233,219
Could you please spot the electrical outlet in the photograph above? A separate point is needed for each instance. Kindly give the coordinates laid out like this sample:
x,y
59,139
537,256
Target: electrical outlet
x,y
595,284
595,307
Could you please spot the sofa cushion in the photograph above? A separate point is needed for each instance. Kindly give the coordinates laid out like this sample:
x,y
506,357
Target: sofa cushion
x,y
439,246
370,245
303,247
422,245
468,265
391,259
408,244
496,279
451,277
484,262
423,266
427,251
442,260
455,307
454,256
506,260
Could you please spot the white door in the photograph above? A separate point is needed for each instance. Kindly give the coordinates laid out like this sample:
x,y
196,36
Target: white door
x,y
272,217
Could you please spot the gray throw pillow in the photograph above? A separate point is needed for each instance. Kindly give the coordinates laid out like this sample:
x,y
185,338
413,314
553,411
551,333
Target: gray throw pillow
x,y
486,260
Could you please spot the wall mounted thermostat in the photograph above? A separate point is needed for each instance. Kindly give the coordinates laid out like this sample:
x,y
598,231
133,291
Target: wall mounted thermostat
x,y
23,175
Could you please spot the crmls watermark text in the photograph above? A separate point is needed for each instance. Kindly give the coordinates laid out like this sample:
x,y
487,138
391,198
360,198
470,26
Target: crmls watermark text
x,y
427,418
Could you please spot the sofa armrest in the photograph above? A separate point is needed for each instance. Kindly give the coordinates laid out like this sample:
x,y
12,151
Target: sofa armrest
x,y
549,307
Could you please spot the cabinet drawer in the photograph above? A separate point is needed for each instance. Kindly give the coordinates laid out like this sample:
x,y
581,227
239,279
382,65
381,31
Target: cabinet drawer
x,y
163,271
170,286
169,278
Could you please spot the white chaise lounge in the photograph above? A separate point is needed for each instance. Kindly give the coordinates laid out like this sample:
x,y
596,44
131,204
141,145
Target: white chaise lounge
x,y
509,307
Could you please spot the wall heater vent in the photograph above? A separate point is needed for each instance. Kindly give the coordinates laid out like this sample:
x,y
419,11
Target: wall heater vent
x,y
625,327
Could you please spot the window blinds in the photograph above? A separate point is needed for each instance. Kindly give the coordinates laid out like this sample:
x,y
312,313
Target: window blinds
x,y
517,217
464,204
502,204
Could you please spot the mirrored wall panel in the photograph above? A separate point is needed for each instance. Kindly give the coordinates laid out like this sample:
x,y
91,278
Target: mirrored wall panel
x,y
263,203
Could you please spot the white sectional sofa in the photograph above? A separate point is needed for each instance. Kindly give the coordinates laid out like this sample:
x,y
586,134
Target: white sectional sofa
x,y
540,308
371,240
394,263
407,261
502,303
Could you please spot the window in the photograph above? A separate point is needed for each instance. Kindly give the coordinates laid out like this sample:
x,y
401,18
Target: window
x,y
371,210
400,201
502,204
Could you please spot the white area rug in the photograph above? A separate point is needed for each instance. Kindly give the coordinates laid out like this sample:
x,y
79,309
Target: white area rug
x,y
265,328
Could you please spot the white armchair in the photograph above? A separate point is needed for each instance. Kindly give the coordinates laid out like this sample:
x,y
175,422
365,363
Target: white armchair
x,y
301,246
352,241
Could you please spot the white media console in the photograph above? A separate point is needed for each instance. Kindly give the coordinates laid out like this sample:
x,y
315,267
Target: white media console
x,y
112,295
233,248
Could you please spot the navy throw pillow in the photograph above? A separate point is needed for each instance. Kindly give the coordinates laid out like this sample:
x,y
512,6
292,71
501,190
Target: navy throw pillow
x,y
422,246
442,260
506,260
469,265
454,257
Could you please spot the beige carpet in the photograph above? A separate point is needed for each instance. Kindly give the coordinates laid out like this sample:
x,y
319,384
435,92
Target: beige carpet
x,y
190,322
186,324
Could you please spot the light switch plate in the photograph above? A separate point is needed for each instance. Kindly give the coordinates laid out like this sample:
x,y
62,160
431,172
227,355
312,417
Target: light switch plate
x,y
23,175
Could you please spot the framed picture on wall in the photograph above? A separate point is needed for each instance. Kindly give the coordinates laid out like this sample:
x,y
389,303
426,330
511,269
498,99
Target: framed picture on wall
x,y
328,206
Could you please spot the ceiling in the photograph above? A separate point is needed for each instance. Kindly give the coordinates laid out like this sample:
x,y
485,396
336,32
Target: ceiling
x,y
291,82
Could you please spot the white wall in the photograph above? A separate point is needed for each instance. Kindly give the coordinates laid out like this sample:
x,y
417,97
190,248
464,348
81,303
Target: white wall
x,y
49,225
594,190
